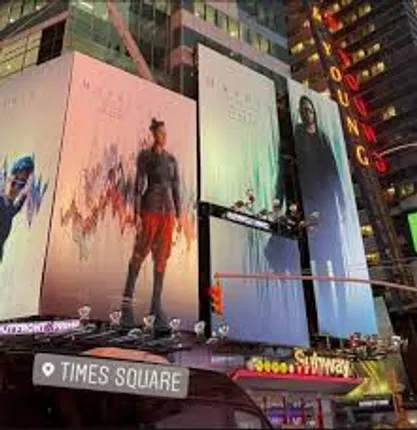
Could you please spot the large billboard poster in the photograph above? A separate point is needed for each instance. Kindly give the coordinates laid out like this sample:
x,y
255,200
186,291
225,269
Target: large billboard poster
x,y
239,135
258,310
129,148
31,127
336,247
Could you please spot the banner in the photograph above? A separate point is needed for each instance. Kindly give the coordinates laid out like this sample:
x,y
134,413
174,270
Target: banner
x,y
32,110
124,224
271,311
336,247
239,134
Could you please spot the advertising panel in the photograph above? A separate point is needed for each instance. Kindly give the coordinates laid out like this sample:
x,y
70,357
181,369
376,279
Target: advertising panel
x,y
31,130
270,311
239,135
124,225
336,247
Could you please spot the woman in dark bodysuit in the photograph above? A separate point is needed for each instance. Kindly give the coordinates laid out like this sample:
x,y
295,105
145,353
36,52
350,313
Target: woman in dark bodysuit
x,y
157,211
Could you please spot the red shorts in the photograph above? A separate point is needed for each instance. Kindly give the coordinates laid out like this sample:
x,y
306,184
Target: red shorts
x,y
155,237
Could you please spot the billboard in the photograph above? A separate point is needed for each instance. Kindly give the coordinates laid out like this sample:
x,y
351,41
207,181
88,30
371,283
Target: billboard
x,y
336,247
31,129
124,222
270,311
412,223
239,134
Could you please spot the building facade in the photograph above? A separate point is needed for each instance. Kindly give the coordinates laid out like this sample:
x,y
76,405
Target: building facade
x,y
376,34
379,37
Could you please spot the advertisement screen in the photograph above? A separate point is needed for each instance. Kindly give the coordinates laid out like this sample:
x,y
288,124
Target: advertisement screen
x,y
412,222
336,246
124,224
31,130
239,135
270,311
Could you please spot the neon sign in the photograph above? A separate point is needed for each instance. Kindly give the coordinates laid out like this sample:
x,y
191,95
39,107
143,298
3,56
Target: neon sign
x,y
303,363
349,101
38,327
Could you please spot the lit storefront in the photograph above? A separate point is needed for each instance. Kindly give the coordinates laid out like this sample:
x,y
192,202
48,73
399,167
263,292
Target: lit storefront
x,y
297,391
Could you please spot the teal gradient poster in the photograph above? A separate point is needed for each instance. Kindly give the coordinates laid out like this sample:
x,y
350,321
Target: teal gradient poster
x,y
239,134
336,247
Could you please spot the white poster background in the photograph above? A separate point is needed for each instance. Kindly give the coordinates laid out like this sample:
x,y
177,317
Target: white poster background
x,y
32,110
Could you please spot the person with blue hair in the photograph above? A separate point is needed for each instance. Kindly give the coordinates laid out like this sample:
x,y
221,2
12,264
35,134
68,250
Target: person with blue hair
x,y
13,197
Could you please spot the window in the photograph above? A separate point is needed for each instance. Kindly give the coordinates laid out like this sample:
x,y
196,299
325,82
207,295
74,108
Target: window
x,y
335,8
373,258
359,55
15,11
388,112
233,28
364,9
210,14
407,190
363,76
296,49
313,58
374,48
4,15
264,45
378,68
199,8
222,21
367,230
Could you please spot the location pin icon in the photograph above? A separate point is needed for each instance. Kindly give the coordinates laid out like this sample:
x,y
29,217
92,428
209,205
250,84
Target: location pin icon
x,y
48,369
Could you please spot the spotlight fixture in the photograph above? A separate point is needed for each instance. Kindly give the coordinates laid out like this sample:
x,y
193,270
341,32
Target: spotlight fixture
x,y
374,347
115,318
149,321
84,313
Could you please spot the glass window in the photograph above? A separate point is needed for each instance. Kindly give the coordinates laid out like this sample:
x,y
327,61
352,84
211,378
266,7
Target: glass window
x,y
254,39
40,4
264,45
199,8
367,230
296,49
313,58
389,112
222,21
13,65
364,9
15,11
4,15
378,68
373,258
31,57
210,14
28,7
233,28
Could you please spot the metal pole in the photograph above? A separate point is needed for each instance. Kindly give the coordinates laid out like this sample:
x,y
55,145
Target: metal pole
x,y
290,277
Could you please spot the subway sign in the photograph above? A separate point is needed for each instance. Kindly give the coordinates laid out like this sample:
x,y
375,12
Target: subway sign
x,y
302,363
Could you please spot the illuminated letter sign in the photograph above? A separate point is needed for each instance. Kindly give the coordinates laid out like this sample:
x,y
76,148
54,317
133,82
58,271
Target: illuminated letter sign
x,y
303,363
361,156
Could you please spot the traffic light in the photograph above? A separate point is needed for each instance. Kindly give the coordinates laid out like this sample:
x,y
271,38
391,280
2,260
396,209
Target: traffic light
x,y
216,295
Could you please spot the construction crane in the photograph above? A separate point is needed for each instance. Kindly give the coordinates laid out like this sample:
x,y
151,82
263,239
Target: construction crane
x,y
122,28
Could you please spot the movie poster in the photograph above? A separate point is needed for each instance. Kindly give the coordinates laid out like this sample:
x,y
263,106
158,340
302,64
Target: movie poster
x,y
259,310
124,223
31,129
239,133
336,246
